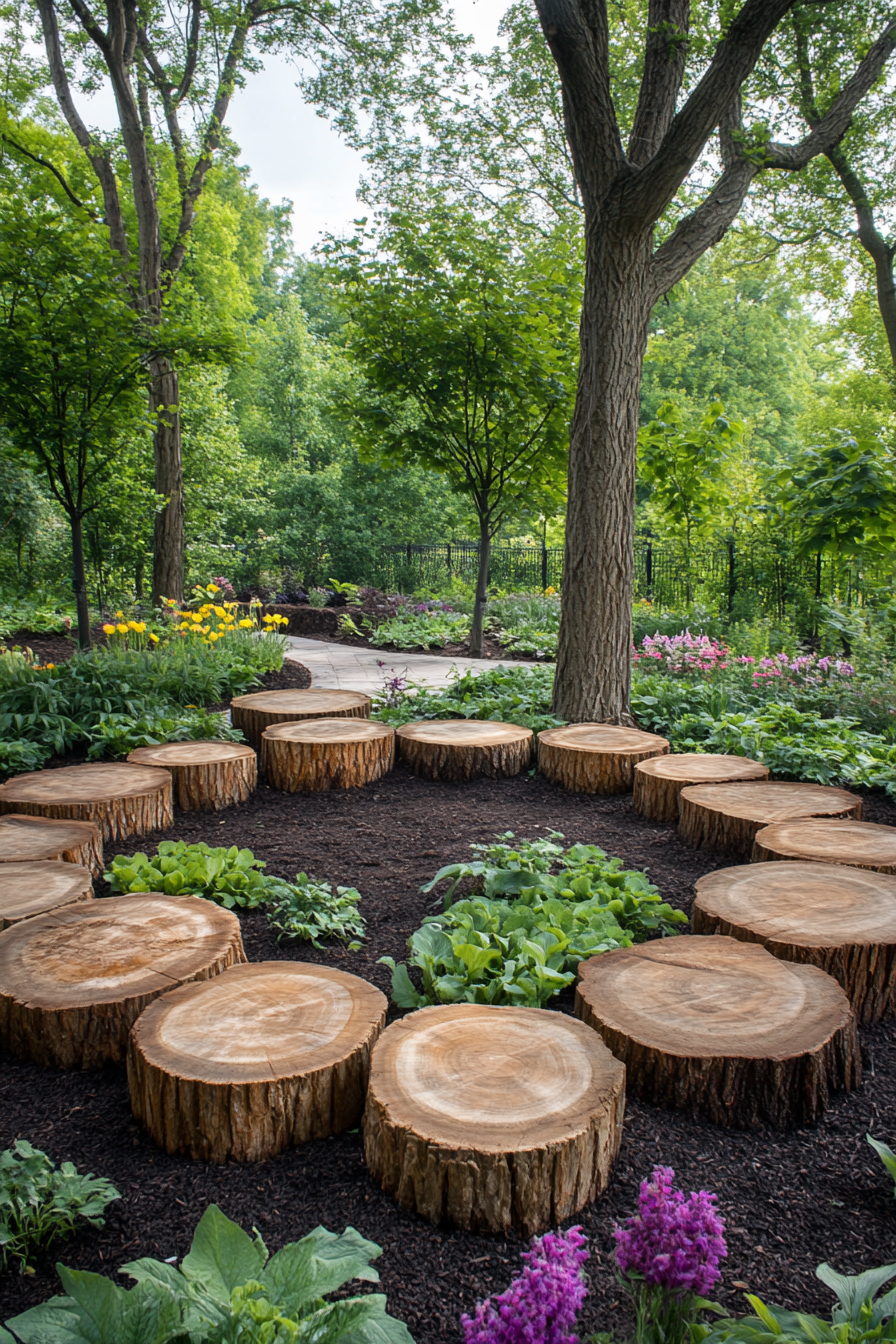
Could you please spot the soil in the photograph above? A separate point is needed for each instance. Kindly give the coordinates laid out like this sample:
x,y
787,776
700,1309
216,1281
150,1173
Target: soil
x,y
791,1200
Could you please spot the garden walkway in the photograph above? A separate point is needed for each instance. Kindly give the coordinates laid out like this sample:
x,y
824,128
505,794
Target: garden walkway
x,y
344,667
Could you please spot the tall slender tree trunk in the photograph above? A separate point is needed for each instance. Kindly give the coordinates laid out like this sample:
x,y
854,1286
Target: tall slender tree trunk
x,y
593,658
485,551
168,547
79,579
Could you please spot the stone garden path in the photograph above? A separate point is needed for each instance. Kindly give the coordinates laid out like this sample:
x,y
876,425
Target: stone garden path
x,y
344,667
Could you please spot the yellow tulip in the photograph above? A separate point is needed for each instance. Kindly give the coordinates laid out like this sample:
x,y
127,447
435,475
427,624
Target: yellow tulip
x,y
119,615
109,629
121,628
212,637
154,638
246,625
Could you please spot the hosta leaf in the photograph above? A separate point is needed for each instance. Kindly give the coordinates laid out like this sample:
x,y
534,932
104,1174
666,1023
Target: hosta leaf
x,y
222,1256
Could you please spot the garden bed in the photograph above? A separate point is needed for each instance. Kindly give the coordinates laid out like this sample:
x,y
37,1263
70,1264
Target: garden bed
x,y
791,1200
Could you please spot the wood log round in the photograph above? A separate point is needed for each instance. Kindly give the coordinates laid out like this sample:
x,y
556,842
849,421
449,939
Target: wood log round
x,y
24,838
33,888
722,1028
859,844
596,757
325,754
74,981
491,1118
726,817
122,800
464,748
264,1056
208,776
842,920
659,781
252,714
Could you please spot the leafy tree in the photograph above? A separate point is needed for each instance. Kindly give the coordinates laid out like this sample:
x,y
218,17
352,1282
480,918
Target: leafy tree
x,y
72,363
467,335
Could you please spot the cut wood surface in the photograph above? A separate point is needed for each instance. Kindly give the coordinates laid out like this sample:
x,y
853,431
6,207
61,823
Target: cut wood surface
x,y
324,754
208,776
840,919
726,817
491,1118
595,757
120,799
722,1028
253,713
264,1056
26,838
33,888
659,781
859,844
74,981
464,748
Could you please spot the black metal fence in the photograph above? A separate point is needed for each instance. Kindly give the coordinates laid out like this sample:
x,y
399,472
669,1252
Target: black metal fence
x,y
749,579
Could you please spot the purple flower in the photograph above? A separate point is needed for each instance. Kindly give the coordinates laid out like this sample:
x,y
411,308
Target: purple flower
x,y
674,1241
541,1304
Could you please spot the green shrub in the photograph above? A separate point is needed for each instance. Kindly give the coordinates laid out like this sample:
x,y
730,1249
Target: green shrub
x,y
118,734
519,695
40,1204
421,630
20,757
312,910
228,877
527,623
40,618
226,1289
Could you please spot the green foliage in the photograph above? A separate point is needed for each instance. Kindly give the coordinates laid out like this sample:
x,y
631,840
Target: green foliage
x,y
685,468
527,624
41,1204
521,940
841,497
860,1316
226,1290
41,618
507,694
421,630
21,757
311,910
230,877
886,1155
117,734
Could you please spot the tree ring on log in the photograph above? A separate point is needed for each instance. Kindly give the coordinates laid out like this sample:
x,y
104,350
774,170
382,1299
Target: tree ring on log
x,y
74,981
840,919
264,1056
722,1028
28,889
726,817
856,844
122,800
208,776
24,838
322,754
659,781
490,1118
252,714
596,757
464,748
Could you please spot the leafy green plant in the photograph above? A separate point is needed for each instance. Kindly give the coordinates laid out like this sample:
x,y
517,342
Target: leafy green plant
x,y
18,757
886,1155
312,910
227,876
41,1204
118,734
226,1290
860,1315
527,624
423,630
508,694
40,618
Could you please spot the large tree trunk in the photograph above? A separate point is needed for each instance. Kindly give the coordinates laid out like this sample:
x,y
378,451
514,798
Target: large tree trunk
x,y
485,551
79,580
594,653
168,556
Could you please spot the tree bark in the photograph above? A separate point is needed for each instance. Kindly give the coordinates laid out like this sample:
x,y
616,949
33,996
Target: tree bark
x,y
726,817
857,844
596,757
122,800
79,580
168,546
25,838
485,550
464,748
323,754
207,776
252,714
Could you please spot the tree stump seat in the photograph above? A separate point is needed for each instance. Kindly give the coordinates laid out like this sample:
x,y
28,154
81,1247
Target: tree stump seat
x,y
858,844
322,754
658,782
34,888
491,1118
722,1028
24,838
208,776
842,920
252,714
463,749
596,757
265,1055
726,817
122,800
74,981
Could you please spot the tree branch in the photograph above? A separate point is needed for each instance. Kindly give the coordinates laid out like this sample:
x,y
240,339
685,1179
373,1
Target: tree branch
x,y
45,163
664,61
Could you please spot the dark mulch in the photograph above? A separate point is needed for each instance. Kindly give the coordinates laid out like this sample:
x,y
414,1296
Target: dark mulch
x,y
791,1200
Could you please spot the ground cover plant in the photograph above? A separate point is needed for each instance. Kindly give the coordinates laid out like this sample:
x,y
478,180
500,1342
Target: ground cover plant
x,y
521,939
519,695
227,1288
309,911
41,1204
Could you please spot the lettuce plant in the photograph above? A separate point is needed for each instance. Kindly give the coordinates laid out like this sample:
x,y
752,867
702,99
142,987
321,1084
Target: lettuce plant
x,y
227,876
226,1291
40,1204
